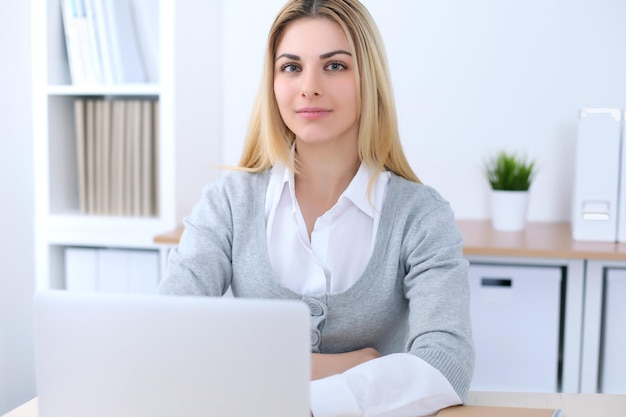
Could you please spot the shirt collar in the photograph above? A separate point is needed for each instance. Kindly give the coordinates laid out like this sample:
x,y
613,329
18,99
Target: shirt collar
x,y
355,193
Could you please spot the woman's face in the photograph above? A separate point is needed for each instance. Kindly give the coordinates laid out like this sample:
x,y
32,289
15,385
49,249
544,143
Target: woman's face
x,y
315,82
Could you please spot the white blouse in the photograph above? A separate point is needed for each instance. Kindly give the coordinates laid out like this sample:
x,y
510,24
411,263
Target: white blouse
x,y
331,261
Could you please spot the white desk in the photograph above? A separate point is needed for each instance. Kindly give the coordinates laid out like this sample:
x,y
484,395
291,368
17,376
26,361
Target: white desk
x,y
573,405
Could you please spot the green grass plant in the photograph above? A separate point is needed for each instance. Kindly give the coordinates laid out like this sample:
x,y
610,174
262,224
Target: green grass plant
x,y
510,171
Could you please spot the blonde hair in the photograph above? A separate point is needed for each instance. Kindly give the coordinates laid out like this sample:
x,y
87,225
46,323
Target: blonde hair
x,y
269,140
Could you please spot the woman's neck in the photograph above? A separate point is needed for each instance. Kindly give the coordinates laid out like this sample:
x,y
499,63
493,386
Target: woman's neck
x,y
324,174
325,171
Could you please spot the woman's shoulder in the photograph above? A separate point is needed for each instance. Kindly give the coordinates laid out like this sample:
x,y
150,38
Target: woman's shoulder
x,y
236,191
238,181
402,189
409,201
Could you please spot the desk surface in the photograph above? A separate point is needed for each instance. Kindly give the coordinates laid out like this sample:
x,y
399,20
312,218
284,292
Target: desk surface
x,y
542,240
573,405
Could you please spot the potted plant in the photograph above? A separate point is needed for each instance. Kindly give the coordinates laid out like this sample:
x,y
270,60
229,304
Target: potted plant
x,y
510,176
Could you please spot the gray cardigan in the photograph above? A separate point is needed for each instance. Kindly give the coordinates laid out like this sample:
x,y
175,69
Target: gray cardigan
x,y
412,297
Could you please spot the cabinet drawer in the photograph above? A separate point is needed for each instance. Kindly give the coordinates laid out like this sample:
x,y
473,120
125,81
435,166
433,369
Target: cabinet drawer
x,y
613,357
516,321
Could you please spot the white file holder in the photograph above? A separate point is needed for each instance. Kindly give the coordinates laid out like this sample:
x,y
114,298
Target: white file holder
x,y
596,185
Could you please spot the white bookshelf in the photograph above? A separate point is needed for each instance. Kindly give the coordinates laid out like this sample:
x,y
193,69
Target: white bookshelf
x,y
188,141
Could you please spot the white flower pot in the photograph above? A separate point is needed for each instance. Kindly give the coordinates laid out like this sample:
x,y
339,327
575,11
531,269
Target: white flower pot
x,y
508,210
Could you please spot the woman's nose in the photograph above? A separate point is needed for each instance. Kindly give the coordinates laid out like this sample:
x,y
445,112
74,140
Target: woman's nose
x,y
311,86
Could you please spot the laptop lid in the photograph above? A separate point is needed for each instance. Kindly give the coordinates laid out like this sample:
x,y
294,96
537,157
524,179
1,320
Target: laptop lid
x,y
109,355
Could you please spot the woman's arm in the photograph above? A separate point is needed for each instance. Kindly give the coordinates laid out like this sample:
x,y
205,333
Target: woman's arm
x,y
399,384
201,263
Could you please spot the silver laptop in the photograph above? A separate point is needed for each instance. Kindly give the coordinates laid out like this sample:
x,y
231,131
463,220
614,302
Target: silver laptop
x,y
109,355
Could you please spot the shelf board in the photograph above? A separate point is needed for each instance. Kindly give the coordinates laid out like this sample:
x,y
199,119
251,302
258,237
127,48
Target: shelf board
x,y
542,240
92,230
104,90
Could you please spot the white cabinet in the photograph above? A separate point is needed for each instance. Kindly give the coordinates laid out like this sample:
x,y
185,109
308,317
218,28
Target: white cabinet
x,y
188,133
613,345
516,326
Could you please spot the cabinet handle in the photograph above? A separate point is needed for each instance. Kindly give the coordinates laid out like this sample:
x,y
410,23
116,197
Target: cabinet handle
x,y
496,282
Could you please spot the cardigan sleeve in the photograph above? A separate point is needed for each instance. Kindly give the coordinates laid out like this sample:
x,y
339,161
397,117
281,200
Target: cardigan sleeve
x,y
436,286
398,384
201,264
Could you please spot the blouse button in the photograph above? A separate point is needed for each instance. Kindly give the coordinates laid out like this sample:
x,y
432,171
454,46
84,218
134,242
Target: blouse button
x,y
315,337
316,309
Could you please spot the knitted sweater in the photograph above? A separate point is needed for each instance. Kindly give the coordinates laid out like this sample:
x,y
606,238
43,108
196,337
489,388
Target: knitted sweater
x,y
413,295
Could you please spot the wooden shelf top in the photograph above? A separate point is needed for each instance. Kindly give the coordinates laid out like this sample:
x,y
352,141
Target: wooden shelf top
x,y
538,240
170,238
541,240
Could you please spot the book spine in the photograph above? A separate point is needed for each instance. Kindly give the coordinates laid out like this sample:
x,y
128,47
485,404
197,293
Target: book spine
x,y
72,42
79,126
90,153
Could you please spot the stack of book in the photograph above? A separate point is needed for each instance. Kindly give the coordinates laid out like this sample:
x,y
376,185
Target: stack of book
x,y
116,154
111,42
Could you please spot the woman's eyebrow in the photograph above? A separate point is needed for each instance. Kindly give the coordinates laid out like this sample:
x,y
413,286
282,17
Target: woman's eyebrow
x,y
323,56
333,53
288,56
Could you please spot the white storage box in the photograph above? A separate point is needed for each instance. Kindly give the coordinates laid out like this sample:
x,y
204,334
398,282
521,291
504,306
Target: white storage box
x,y
613,358
111,270
515,317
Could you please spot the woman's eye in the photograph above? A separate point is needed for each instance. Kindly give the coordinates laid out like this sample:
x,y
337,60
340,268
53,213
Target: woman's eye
x,y
289,68
335,66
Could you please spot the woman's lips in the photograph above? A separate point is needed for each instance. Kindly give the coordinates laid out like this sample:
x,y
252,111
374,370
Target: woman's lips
x,y
312,113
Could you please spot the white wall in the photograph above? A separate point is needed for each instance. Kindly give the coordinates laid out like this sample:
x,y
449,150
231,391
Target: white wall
x,y
17,381
197,99
470,78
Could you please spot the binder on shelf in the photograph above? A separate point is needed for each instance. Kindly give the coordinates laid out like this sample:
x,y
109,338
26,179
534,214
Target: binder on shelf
x,y
81,43
111,41
89,42
71,29
155,157
117,161
146,20
127,170
116,144
100,27
98,161
596,185
147,171
136,159
105,155
125,55
81,163
90,152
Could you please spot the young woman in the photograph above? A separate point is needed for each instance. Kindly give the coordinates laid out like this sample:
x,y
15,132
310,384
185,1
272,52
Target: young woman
x,y
326,209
